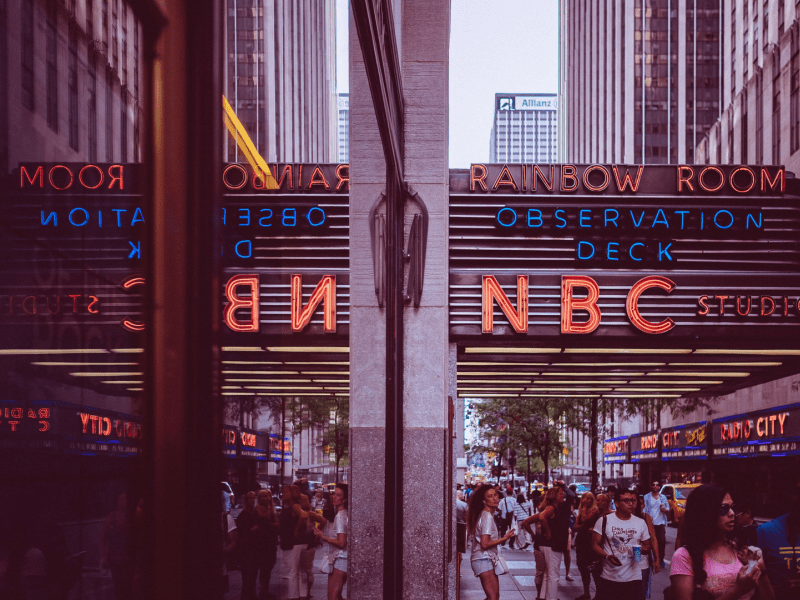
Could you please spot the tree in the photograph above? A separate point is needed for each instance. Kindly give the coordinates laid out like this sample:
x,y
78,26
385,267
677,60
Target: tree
x,y
331,414
527,423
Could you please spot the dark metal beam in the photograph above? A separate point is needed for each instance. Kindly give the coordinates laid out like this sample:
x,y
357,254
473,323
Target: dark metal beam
x,y
375,27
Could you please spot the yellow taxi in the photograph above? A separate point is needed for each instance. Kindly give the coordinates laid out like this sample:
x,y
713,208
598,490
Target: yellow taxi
x,y
676,494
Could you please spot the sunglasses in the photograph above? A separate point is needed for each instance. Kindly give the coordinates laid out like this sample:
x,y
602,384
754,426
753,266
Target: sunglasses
x,y
726,508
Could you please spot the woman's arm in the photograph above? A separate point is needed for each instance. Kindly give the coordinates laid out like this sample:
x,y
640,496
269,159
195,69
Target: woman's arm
x,y
651,544
487,543
318,518
340,541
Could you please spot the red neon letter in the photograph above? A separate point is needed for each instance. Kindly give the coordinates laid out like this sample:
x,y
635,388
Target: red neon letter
x,y
341,178
752,180
235,167
475,177
50,177
318,178
687,180
588,303
117,178
721,179
628,180
492,291
325,292
595,188
505,178
779,176
631,304
568,173
235,301
84,184
23,172
126,322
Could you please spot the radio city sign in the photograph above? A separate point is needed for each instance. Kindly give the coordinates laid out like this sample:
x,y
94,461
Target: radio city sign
x,y
771,431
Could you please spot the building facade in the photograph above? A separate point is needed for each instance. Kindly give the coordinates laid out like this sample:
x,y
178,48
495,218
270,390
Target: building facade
x,y
525,128
640,79
76,92
280,78
760,120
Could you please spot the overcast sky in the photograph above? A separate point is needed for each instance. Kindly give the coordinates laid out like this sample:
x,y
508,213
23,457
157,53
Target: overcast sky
x,y
495,46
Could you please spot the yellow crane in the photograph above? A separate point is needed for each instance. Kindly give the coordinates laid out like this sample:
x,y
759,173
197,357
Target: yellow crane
x,y
247,146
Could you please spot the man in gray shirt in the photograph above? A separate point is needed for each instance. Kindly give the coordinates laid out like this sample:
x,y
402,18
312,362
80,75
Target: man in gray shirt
x,y
656,505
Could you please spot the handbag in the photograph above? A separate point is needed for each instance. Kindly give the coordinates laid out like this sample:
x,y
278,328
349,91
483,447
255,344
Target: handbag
x,y
596,566
326,566
500,566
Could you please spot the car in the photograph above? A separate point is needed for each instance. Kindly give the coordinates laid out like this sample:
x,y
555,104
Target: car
x,y
676,494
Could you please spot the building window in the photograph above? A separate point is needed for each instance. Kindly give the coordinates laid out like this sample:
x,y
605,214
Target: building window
x,y
27,54
92,106
776,119
109,116
744,126
794,100
105,24
52,65
124,43
123,127
114,34
759,120
73,86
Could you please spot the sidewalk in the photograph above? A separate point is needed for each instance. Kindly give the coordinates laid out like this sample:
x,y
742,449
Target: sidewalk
x,y
519,583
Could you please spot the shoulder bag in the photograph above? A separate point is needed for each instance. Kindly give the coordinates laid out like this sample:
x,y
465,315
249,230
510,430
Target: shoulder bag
x,y
500,566
326,566
596,566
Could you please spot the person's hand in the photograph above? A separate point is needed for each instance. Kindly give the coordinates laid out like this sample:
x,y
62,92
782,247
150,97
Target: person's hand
x,y
656,566
317,533
614,560
747,580
509,534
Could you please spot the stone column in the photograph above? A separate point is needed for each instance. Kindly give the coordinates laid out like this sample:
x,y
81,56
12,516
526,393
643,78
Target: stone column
x,y
424,28
425,54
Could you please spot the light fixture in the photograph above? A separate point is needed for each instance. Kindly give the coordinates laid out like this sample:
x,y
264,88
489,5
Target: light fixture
x,y
242,349
530,350
28,351
627,351
739,351
128,350
318,349
490,364
498,380
106,374
124,382
593,374
725,364
85,364
641,396
698,374
644,389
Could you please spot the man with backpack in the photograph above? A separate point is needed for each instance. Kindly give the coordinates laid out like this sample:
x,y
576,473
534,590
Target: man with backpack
x,y
507,507
618,538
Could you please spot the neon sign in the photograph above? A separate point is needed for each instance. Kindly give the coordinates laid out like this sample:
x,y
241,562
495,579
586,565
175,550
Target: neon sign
x,y
570,302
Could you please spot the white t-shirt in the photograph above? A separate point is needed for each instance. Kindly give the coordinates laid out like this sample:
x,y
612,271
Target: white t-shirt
x,y
652,506
622,537
485,526
507,505
340,522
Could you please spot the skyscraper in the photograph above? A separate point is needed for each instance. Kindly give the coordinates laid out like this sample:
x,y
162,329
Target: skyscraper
x,y
344,128
760,120
280,78
525,128
640,79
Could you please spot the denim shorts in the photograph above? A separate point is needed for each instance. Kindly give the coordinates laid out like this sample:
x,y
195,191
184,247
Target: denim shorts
x,y
482,565
340,564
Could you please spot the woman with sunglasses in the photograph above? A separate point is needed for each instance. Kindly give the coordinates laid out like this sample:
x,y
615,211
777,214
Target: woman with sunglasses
x,y
707,565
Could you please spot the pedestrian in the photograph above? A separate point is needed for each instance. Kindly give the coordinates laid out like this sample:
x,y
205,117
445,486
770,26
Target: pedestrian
x,y
507,507
485,538
308,539
338,543
657,506
588,513
520,514
616,538
571,503
654,558
554,517
745,529
258,542
292,521
779,539
707,564
318,502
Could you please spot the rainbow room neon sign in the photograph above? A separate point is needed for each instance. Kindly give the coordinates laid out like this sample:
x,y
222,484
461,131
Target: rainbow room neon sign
x,y
242,293
570,301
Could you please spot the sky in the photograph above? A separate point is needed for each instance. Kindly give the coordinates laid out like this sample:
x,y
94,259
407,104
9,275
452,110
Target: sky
x,y
495,46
